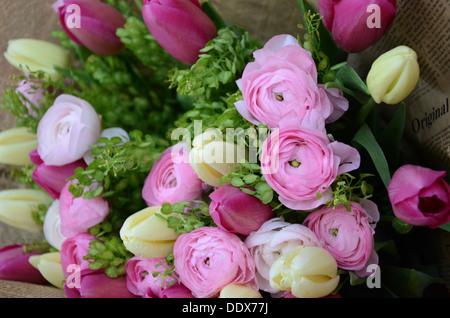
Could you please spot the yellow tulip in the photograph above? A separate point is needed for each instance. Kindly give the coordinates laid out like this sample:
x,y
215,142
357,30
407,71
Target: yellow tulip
x,y
15,146
146,235
239,291
393,75
308,272
17,205
211,158
30,55
49,265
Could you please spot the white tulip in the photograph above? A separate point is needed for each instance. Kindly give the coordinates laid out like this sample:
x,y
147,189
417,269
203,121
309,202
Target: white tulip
x,y
52,226
15,146
49,264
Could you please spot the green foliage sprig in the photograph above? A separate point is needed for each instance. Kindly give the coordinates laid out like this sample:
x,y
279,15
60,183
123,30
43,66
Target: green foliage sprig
x,y
186,216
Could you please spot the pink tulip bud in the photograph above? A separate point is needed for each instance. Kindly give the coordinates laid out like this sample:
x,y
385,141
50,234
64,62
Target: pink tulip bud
x,y
92,24
238,212
179,26
53,178
14,266
355,24
96,284
420,196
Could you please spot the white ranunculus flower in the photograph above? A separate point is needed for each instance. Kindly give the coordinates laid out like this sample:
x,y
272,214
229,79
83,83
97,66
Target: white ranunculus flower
x,y
52,226
67,130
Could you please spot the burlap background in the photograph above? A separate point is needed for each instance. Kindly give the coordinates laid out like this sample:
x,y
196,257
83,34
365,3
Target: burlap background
x,y
35,19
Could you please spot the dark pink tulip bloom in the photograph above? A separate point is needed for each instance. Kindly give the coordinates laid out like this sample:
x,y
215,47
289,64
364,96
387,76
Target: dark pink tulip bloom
x,y
420,196
96,284
14,266
98,23
179,26
355,24
53,178
238,212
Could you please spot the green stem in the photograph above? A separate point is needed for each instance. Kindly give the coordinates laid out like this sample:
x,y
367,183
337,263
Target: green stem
x,y
211,12
365,110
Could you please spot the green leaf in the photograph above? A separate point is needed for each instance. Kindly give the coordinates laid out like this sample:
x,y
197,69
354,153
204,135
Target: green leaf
x,y
406,282
445,227
351,79
389,140
366,139
237,182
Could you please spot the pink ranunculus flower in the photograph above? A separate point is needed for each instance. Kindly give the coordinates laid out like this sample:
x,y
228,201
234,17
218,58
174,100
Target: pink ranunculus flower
x,y
97,24
140,281
298,163
172,178
208,259
67,130
73,251
14,266
355,24
274,238
80,214
96,284
420,196
238,212
282,79
179,26
53,178
347,236
32,93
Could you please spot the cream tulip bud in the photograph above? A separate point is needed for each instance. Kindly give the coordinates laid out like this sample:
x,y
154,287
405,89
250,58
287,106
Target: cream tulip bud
x,y
17,205
30,55
15,146
212,158
49,264
146,235
239,291
393,75
307,271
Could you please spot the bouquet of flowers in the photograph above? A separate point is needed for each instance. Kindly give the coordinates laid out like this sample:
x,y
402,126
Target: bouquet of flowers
x,y
166,153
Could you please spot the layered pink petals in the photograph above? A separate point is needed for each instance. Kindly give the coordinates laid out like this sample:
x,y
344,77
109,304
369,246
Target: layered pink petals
x,y
79,214
274,238
141,282
98,25
207,259
172,179
282,80
14,266
73,251
299,163
179,26
53,178
347,236
32,95
236,211
67,130
420,196
353,23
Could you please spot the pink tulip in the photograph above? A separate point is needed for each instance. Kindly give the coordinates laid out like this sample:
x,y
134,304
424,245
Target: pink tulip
x,y
98,23
238,212
208,259
53,178
179,26
420,196
355,24
14,266
97,284
172,179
